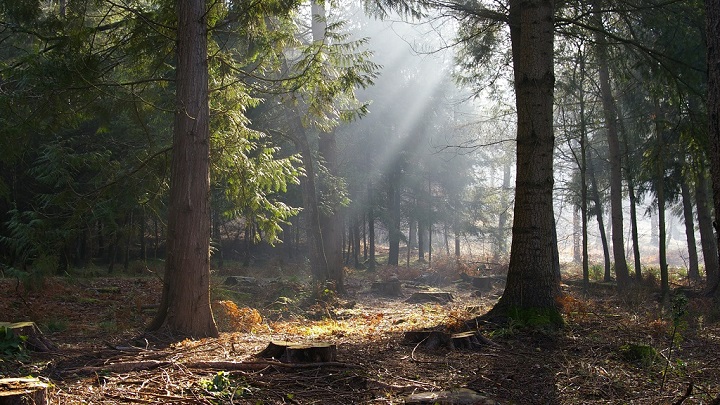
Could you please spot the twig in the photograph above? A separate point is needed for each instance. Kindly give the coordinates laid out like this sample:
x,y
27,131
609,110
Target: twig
x,y
688,392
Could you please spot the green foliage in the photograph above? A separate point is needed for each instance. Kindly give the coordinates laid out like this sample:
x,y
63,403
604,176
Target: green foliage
x,y
640,354
12,345
224,386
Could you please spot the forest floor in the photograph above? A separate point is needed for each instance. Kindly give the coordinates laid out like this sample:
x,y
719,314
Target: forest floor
x,y
614,349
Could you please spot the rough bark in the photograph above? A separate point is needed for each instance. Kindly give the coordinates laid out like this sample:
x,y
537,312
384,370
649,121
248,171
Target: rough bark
x,y
712,12
533,281
23,391
185,305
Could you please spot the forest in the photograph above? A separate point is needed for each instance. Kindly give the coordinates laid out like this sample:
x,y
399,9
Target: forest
x,y
386,201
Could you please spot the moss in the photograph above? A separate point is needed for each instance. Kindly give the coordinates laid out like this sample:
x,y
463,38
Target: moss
x,y
537,317
642,355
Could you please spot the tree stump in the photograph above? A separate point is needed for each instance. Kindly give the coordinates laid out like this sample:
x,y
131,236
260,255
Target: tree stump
x,y
458,396
23,391
390,288
439,297
288,352
434,339
35,341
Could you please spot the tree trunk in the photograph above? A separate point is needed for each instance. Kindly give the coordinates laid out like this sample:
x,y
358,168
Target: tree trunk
x,y
634,225
600,220
633,208
185,305
371,227
331,222
707,238
693,265
712,12
610,112
533,281
583,177
394,217
660,192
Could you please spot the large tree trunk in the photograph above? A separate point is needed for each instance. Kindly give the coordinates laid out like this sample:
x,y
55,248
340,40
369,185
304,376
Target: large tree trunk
x,y
712,12
533,281
610,112
185,306
331,223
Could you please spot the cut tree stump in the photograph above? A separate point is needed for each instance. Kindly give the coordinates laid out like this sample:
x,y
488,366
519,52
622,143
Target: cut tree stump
x,y
458,396
435,339
23,391
390,288
439,297
288,352
35,341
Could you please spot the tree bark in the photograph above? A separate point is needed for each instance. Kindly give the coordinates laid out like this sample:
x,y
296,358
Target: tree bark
x,y
610,112
707,238
185,304
533,282
600,220
712,12
693,265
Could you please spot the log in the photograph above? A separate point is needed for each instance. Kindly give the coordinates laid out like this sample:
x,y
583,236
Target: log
x,y
434,339
23,391
288,352
439,297
35,341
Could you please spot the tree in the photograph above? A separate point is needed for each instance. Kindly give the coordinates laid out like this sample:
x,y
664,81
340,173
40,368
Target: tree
x,y
185,304
712,11
533,254
611,124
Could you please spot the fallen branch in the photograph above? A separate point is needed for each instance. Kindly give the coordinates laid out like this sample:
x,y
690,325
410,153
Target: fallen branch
x,y
259,365
124,367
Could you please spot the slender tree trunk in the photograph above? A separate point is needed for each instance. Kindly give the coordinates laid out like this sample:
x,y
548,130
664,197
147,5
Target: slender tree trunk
x,y
185,305
634,225
633,206
660,191
371,227
611,116
707,238
694,267
394,209
601,222
583,176
533,280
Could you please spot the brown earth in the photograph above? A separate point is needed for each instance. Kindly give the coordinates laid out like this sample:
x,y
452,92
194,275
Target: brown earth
x,y
598,357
